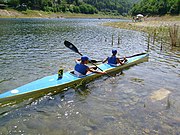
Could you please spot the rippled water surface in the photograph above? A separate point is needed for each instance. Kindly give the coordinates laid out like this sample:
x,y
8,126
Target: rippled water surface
x,y
126,104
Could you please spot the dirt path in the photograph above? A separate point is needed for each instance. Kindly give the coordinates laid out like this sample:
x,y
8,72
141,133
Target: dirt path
x,y
157,23
9,13
160,21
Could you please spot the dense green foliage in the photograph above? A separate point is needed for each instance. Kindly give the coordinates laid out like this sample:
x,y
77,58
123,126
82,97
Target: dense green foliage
x,y
156,7
115,6
76,6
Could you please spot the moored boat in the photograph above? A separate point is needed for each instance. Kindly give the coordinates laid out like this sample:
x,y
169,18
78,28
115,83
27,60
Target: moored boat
x,y
51,84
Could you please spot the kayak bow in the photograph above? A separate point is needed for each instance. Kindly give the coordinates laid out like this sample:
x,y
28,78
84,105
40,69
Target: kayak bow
x,y
51,84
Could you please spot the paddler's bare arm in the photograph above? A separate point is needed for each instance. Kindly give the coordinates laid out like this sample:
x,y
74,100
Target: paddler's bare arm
x,y
77,60
104,60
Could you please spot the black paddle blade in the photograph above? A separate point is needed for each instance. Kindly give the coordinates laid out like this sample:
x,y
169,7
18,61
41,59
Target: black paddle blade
x,y
135,55
71,46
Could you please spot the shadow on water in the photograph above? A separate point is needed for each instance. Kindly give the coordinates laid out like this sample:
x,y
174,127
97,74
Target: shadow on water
x,y
83,90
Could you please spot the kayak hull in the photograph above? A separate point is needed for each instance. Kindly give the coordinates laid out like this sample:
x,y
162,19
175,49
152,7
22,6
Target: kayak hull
x,y
52,85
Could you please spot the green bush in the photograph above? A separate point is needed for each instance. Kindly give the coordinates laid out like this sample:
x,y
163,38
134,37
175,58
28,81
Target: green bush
x,y
22,7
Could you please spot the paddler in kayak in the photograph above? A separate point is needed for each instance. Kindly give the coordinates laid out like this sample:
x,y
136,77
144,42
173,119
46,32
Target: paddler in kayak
x,y
113,60
82,69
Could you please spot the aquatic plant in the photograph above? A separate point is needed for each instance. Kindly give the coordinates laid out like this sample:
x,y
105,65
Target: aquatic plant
x,y
173,33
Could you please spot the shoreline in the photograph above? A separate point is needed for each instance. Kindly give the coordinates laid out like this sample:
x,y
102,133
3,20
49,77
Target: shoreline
x,y
150,22
164,28
11,13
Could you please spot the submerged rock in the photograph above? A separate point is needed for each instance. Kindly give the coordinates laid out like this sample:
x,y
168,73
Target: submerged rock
x,y
159,94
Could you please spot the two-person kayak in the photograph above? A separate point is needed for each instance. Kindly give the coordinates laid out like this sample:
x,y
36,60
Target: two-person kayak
x,y
51,84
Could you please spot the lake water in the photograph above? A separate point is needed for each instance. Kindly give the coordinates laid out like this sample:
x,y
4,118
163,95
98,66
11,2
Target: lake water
x,y
126,104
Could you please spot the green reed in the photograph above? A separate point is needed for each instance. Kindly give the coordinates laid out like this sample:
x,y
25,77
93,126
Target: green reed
x,y
174,35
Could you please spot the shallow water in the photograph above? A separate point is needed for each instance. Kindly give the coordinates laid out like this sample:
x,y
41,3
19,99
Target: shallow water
x,y
33,48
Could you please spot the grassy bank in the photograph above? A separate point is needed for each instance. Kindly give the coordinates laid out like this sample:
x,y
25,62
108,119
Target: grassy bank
x,y
165,28
10,13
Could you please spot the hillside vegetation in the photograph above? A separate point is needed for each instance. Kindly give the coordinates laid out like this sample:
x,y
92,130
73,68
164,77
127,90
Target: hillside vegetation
x,y
156,7
115,7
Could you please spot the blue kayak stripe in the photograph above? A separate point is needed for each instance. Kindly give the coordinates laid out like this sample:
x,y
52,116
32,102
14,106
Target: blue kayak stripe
x,y
46,82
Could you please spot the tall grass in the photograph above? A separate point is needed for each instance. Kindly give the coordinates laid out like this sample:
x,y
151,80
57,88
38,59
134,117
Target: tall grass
x,y
161,32
174,35
166,35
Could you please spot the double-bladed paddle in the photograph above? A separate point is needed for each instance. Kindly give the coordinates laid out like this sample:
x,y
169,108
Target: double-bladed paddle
x,y
74,48
96,61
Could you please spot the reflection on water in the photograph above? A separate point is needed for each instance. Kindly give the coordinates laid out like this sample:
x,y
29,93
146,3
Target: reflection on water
x,y
33,48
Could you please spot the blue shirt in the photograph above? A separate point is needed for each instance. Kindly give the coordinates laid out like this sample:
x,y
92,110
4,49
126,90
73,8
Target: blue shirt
x,y
112,60
81,68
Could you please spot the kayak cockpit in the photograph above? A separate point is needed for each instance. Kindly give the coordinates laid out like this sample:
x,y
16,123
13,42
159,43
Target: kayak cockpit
x,y
75,75
80,75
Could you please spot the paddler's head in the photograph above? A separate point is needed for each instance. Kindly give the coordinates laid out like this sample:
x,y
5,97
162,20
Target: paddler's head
x,y
84,59
114,52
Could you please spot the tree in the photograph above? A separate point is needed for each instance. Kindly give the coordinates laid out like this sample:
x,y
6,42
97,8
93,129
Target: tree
x,y
13,3
156,7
